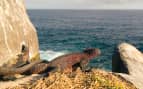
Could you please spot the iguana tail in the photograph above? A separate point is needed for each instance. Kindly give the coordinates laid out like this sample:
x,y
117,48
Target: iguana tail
x,y
10,71
43,67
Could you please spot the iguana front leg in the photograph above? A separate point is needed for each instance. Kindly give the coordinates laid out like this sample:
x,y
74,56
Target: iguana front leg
x,y
84,65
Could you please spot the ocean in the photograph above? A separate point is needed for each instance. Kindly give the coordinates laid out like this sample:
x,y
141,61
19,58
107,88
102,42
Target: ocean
x,y
66,31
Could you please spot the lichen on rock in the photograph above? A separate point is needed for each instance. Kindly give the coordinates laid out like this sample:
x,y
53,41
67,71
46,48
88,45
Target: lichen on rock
x,y
96,79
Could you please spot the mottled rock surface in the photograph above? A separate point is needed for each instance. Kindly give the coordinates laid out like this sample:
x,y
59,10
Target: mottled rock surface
x,y
96,79
128,62
15,30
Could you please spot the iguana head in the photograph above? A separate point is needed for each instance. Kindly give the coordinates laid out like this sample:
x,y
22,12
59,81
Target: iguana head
x,y
92,52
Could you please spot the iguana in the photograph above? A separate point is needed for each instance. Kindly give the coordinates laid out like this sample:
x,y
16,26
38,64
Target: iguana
x,y
67,62
63,63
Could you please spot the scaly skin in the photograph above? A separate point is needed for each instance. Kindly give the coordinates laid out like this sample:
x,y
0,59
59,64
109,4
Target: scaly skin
x,y
66,63
38,68
10,71
63,63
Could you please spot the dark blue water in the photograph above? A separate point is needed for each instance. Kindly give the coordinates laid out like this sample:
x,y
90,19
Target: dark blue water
x,y
75,30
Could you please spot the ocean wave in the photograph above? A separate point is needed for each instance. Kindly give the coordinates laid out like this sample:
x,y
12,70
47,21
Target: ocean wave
x,y
49,55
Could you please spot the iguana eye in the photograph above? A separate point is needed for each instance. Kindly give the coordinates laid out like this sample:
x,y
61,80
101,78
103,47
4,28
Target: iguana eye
x,y
89,51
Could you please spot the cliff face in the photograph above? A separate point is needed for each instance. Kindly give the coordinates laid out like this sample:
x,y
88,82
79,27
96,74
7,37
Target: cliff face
x,y
15,30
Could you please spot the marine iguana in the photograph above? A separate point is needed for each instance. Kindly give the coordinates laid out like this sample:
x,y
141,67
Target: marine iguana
x,y
66,63
63,63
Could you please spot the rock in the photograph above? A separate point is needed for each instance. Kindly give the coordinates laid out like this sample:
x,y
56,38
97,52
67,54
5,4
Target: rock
x,y
16,30
95,79
21,81
128,62
118,65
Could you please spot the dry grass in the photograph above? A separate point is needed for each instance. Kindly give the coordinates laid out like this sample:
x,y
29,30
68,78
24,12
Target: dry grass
x,y
97,79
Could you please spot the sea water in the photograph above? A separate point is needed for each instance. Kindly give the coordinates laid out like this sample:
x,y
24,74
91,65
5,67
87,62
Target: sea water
x,y
66,31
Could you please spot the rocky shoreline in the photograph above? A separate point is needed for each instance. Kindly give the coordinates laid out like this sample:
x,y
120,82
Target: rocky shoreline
x,y
96,79
126,66
19,37
126,75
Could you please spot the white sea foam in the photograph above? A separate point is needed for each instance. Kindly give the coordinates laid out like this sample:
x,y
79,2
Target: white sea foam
x,y
49,55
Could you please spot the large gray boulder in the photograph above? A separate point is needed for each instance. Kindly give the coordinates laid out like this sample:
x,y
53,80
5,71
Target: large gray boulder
x,y
15,30
128,62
